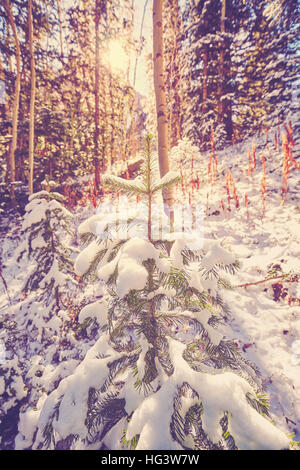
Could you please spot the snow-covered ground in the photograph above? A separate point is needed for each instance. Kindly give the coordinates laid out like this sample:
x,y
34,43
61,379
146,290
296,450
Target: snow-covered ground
x,y
264,324
267,331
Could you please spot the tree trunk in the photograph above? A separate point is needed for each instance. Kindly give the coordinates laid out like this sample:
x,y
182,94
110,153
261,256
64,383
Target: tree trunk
x,y
205,76
221,77
111,120
96,92
140,40
224,105
60,28
13,146
4,114
7,44
160,95
104,118
227,73
204,107
32,98
3,100
175,79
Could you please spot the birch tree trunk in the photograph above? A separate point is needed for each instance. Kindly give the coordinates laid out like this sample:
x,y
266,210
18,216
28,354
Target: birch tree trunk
x,y
32,98
177,132
15,112
160,96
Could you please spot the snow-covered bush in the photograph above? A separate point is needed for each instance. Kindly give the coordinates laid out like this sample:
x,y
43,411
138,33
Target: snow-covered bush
x,y
12,387
185,155
13,393
45,227
39,334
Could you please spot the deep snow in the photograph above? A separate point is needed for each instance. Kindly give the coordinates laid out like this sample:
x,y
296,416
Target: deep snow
x,y
265,329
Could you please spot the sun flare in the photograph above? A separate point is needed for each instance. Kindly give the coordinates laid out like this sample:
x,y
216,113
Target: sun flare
x,y
117,57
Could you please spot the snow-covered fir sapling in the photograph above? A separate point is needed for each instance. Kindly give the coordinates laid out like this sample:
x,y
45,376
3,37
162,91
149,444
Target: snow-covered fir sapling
x,y
186,157
161,374
35,331
46,228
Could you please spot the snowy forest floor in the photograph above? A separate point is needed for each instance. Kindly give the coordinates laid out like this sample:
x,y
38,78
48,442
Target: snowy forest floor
x,y
265,317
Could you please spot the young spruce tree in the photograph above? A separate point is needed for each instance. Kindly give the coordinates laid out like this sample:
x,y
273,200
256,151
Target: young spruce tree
x,y
161,375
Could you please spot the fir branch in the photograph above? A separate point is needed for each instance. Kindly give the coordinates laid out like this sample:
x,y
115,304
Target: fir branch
x,y
193,427
131,188
150,371
166,182
179,427
104,414
189,256
114,251
230,268
177,421
48,431
113,277
224,284
177,279
228,438
131,444
260,403
86,237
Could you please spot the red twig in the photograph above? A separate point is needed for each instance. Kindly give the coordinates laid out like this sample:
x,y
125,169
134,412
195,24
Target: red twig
x,y
265,280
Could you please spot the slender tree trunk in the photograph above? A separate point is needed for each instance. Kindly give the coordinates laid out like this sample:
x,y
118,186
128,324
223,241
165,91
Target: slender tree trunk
x,y
13,146
32,98
21,174
72,119
112,120
60,28
5,112
160,95
9,107
104,119
128,135
3,99
221,77
204,86
96,92
205,80
175,78
227,74
85,78
47,37
7,43
224,105
140,48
